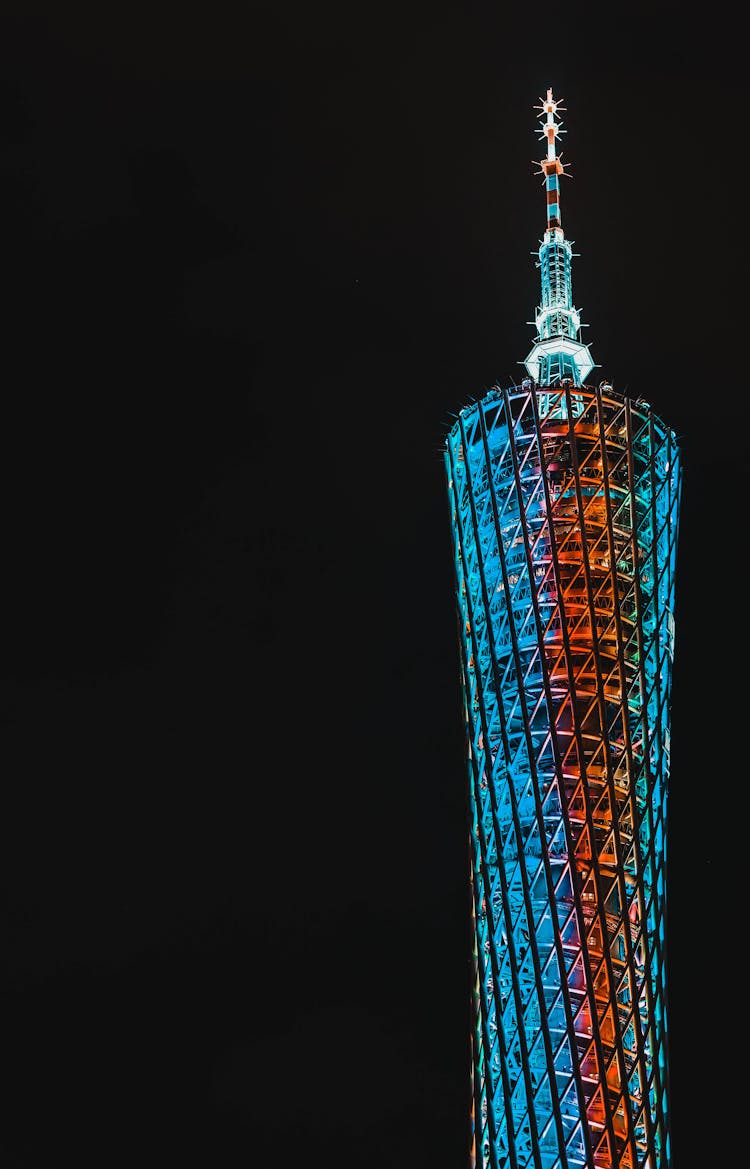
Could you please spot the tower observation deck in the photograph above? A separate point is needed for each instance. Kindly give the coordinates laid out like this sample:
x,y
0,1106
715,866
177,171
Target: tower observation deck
x,y
564,503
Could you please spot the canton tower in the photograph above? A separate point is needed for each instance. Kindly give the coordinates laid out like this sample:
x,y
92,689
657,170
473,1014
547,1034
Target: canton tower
x,y
564,501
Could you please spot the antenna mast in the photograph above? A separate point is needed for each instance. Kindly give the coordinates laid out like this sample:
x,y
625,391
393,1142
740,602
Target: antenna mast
x,y
558,351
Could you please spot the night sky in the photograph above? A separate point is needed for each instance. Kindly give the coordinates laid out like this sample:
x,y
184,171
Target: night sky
x,y
253,259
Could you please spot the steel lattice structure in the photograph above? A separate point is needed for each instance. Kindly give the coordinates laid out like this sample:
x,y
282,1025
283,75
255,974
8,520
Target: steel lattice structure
x,y
565,501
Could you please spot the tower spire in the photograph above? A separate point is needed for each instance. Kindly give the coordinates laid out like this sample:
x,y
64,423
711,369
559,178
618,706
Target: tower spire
x,y
552,166
558,351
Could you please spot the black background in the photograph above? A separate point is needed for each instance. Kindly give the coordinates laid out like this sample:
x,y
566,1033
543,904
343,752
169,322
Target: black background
x,y
252,261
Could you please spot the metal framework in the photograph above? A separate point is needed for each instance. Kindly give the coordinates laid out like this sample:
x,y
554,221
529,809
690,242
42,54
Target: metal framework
x,y
565,501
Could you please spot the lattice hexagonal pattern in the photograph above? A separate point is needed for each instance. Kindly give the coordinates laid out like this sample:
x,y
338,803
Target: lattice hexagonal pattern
x,y
564,509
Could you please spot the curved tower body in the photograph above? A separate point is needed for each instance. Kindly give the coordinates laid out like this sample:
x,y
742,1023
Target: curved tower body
x,y
564,501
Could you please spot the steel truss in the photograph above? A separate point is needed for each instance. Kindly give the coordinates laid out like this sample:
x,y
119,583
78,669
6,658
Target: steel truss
x,y
564,510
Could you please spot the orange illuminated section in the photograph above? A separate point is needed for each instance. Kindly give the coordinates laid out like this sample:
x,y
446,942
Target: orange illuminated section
x,y
592,660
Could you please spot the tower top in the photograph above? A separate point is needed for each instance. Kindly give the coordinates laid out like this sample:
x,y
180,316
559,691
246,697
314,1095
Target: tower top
x,y
558,351
552,166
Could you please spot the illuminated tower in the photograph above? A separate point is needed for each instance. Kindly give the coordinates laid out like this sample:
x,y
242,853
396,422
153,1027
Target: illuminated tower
x,y
564,500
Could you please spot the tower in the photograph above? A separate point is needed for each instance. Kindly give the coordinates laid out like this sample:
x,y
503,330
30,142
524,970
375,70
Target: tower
x,y
564,502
